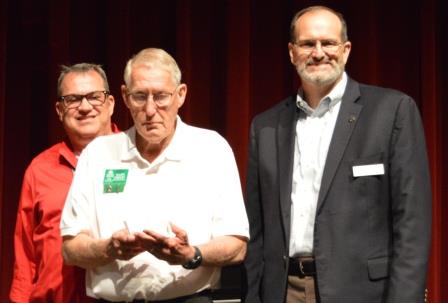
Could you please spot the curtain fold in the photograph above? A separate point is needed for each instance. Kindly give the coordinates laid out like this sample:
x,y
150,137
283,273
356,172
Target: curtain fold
x,y
234,59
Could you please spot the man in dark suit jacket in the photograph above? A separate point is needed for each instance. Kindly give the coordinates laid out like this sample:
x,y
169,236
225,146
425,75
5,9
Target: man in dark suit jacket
x,y
338,189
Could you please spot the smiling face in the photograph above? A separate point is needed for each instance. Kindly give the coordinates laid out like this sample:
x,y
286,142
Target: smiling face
x,y
154,124
320,65
85,122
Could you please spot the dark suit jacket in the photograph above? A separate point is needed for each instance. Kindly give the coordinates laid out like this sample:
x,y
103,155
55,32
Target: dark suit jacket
x,y
372,233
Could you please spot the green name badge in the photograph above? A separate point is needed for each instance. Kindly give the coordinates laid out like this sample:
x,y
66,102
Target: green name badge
x,y
114,180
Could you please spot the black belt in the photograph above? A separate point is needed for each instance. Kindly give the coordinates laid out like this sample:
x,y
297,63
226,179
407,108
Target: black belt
x,y
202,294
302,267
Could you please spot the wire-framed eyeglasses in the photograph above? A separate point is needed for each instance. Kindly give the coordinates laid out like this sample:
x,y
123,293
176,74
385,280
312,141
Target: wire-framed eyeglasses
x,y
328,46
160,99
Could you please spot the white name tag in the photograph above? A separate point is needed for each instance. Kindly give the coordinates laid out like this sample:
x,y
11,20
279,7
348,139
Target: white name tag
x,y
368,170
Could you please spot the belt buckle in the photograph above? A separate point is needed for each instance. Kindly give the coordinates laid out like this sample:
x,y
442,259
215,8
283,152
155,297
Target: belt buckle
x,y
301,268
307,267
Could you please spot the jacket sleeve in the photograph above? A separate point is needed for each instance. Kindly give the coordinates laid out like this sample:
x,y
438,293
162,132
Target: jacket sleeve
x,y
254,259
24,265
410,191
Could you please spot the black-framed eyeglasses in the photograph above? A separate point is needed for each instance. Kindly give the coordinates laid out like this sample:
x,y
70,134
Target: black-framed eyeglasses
x,y
327,45
160,99
95,98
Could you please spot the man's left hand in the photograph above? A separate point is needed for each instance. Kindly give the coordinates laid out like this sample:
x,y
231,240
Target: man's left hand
x,y
174,250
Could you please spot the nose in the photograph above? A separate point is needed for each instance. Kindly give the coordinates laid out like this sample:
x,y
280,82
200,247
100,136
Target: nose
x,y
150,107
317,51
84,105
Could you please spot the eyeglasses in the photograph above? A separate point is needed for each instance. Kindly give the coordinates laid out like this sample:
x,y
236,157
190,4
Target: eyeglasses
x,y
327,46
95,98
160,99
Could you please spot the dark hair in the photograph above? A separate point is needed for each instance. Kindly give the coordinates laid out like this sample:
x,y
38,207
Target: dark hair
x,y
81,68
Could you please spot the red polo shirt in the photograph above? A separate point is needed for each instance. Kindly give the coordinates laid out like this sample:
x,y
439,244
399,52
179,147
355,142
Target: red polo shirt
x,y
40,274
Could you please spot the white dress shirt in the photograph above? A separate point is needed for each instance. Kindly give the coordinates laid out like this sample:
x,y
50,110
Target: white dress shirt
x,y
314,131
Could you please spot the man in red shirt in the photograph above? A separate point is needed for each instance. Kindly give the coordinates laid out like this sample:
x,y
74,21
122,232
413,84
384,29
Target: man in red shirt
x,y
85,107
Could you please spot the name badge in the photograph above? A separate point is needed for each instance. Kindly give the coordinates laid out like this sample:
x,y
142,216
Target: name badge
x,y
368,170
114,180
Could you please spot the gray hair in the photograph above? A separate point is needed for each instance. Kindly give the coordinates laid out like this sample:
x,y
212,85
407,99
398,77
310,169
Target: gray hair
x,y
344,35
81,68
153,57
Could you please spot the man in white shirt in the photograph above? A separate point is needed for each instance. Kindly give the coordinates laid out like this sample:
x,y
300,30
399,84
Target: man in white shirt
x,y
154,212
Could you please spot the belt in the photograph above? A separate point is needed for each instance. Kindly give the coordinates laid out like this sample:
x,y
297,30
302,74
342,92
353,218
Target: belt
x,y
202,294
302,267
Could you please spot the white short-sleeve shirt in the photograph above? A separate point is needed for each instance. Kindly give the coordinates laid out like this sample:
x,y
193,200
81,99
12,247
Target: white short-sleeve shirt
x,y
193,184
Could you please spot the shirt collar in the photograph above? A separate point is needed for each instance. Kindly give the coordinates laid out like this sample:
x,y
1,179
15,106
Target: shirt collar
x,y
174,149
67,154
66,151
327,102
173,152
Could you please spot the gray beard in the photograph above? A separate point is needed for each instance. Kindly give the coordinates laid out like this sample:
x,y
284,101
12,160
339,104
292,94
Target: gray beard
x,y
324,80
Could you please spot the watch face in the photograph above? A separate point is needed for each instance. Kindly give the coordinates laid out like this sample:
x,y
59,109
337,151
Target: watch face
x,y
196,261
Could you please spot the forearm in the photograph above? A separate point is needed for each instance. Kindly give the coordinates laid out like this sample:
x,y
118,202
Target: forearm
x,y
24,251
411,207
253,262
20,289
22,282
223,251
85,251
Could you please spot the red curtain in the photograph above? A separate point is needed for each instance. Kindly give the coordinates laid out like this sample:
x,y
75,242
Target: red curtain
x,y
233,54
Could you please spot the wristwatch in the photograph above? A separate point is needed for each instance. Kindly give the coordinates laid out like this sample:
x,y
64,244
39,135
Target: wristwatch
x,y
196,261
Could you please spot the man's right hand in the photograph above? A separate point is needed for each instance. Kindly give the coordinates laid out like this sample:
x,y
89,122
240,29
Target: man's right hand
x,y
123,246
87,252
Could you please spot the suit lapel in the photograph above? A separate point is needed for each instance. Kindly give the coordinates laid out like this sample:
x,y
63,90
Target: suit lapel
x,y
285,148
345,123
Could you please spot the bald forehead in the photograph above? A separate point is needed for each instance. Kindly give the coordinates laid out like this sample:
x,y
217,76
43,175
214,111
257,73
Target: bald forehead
x,y
318,22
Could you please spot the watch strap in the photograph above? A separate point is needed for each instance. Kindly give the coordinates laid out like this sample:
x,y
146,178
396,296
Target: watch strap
x,y
196,261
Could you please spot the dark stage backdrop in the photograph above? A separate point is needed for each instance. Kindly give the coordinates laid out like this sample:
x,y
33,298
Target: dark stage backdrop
x,y
234,58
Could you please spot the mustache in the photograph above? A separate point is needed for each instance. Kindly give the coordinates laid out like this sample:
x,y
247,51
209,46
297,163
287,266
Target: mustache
x,y
313,61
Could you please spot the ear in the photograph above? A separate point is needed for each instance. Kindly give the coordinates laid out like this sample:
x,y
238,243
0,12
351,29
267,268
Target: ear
x,y
124,92
59,110
181,94
347,49
111,101
291,52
